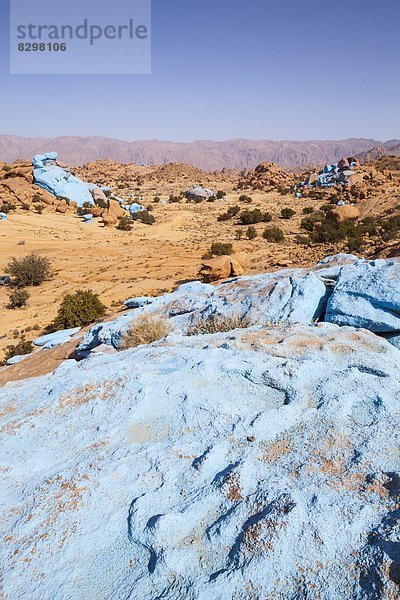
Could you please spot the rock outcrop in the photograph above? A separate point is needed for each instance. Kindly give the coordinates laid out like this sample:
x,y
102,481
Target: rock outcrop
x,y
367,296
262,462
255,463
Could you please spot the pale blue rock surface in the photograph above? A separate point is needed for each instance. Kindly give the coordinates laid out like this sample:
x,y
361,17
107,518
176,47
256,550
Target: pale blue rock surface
x,y
258,463
138,302
55,339
367,295
14,360
59,181
293,295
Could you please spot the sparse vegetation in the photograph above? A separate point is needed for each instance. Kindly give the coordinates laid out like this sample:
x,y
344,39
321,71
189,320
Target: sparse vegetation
x,y
287,213
307,210
124,224
250,217
273,234
303,240
29,270
7,207
246,199
221,249
78,310
220,194
18,298
251,233
21,348
229,214
308,223
145,330
143,216
101,203
217,324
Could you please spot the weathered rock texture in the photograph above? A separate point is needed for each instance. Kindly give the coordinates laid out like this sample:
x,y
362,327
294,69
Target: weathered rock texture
x,y
258,463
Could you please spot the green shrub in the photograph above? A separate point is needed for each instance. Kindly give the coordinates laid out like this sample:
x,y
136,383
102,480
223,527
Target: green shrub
x,y
37,198
39,208
303,240
273,234
309,222
229,214
331,232
221,249
238,234
173,198
325,208
25,206
83,211
29,270
156,199
287,213
220,194
143,216
18,298
283,191
101,203
247,199
124,224
307,210
78,310
251,233
23,347
7,207
250,217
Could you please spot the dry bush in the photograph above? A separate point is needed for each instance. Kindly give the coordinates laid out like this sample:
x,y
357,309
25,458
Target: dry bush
x,y
216,324
145,330
29,270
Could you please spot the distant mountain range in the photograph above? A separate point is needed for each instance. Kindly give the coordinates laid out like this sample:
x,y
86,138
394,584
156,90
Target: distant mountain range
x,y
204,154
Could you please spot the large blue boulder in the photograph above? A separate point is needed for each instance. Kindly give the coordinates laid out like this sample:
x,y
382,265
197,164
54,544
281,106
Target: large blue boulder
x,y
367,295
59,181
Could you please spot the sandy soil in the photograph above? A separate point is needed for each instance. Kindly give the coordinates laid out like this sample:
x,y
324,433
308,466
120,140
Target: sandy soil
x,y
148,260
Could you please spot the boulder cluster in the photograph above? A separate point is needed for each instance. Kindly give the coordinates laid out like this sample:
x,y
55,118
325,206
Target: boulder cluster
x,y
266,177
348,177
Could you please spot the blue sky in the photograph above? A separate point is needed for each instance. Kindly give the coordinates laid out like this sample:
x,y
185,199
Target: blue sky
x,y
287,69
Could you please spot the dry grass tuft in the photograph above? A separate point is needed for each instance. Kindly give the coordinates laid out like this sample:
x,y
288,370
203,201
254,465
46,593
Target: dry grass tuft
x,y
145,330
216,324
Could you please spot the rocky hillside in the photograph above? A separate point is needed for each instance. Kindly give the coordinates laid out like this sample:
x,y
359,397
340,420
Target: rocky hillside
x,y
261,461
378,152
206,155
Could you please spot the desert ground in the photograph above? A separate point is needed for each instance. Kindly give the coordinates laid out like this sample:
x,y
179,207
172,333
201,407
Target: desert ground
x,y
154,259
148,260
